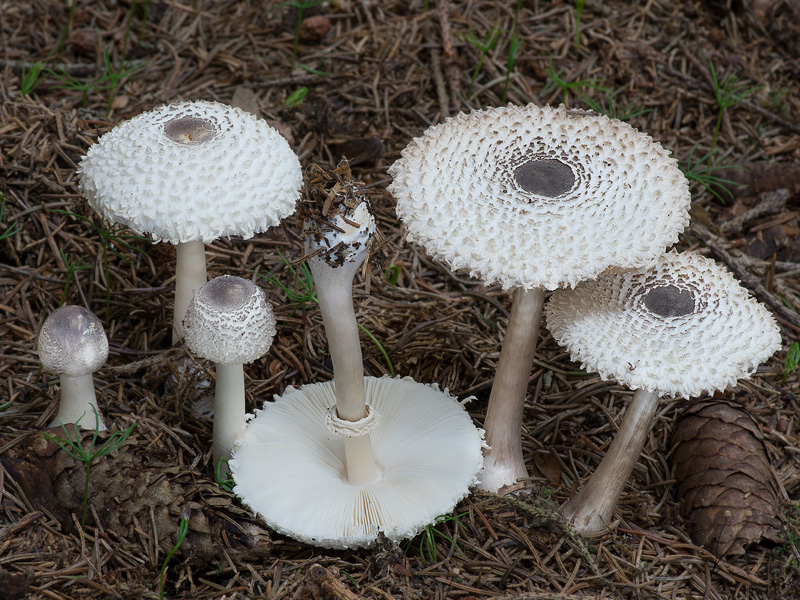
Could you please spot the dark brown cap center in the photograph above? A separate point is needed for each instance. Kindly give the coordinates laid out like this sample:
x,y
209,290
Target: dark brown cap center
x,y
669,301
546,177
190,131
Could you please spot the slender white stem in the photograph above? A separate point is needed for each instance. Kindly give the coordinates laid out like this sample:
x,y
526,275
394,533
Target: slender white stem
x,y
504,463
335,294
592,508
229,410
77,399
190,275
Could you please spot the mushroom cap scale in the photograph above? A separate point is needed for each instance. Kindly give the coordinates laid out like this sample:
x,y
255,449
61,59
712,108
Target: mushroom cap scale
x,y
72,342
539,197
683,326
193,171
229,321
425,445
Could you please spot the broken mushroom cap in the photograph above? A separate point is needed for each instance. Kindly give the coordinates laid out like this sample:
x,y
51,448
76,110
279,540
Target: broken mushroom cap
x,y
229,321
539,197
682,327
73,344
193,171
426,448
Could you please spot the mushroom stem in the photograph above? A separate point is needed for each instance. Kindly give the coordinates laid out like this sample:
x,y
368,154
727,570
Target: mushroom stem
x,y
592,508
504,463
77,400
229,411
335,295
190,275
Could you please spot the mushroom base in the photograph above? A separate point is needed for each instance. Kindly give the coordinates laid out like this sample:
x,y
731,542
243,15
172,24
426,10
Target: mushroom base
x,y
288,466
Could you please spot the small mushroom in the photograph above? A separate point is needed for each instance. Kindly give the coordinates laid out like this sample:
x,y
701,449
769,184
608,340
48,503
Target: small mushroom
x,y
188,174
73,344
535,199
682,327
229,321
358,455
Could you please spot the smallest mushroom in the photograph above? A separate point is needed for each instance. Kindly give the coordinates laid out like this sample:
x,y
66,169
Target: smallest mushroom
x,y
73,344
230,322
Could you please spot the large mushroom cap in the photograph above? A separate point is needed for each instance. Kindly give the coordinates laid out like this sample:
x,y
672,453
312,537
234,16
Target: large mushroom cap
x,y
72,342
539,197
290,467
193,171
229,321
683,327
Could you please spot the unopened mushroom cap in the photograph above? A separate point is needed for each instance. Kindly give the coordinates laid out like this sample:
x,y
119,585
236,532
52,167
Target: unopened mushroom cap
x,y
72,342
290,468
683,327
229,321
193,171
539,197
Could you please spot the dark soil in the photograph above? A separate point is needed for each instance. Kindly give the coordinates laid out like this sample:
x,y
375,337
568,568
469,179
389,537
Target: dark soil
x,y
377,74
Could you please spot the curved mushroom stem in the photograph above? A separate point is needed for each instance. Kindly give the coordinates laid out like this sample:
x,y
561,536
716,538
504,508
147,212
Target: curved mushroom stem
x,y
335,295
229,411
190,275
77,400
504,463
333,275
592,508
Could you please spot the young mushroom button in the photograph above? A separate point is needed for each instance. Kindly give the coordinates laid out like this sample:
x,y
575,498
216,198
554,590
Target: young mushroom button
x,y
679,328
229,322
73,344
188,174
535,199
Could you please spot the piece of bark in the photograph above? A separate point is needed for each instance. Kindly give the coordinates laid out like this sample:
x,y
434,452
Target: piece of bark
x,y
724,481
323,584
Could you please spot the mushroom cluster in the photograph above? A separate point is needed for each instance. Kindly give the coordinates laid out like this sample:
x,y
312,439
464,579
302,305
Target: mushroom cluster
x,y
535,199
682,327
190,173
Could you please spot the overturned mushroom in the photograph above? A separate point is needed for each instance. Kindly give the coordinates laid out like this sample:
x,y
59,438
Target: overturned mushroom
x,y
73,344
355,456
188,174
535,199
682,327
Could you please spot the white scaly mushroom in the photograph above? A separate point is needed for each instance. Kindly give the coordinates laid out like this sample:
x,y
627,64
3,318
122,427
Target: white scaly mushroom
x,y
73,344
682,327
190,173
229,322
535,199
351,457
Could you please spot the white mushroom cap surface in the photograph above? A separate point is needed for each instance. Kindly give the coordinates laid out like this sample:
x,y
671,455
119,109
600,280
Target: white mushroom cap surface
x,y
72,342
682,327
290,468
539,197
193,171
229,321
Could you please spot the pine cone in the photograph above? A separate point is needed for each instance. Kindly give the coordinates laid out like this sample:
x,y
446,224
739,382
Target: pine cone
x,y
725,483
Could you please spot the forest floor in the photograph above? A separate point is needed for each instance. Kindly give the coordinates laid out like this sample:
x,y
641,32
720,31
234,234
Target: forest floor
x,y
716,83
